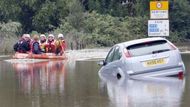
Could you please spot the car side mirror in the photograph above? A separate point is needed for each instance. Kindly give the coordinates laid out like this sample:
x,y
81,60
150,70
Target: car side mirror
x,y
102,63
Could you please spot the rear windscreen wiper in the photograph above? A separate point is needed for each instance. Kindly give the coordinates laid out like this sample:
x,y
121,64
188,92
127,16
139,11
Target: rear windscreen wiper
x,y
159,51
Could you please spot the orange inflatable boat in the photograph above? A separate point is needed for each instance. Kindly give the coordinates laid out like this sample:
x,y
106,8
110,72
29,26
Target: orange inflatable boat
x,y
39,56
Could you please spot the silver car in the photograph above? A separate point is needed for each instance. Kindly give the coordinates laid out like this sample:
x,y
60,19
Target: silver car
x,y
144,57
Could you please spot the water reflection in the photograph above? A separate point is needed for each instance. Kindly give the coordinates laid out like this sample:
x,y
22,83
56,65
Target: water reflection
x,y
146,92
44,77
77,84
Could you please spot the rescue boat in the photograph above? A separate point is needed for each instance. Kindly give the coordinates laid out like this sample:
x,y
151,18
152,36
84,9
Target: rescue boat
x,y
39,56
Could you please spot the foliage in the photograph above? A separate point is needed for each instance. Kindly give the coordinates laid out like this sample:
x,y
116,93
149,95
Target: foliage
x,y
88,23
10,28
105,30
180,19
40,15
9,33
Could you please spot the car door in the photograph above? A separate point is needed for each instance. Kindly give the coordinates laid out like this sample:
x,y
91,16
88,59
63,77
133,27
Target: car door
x,y
113,56
113,63
109,57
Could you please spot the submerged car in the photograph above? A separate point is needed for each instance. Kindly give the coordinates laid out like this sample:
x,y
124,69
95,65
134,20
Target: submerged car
x,y
144,57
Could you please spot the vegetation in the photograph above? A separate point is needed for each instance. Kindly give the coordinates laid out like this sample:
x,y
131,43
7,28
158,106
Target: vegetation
x,y
89,23
8,32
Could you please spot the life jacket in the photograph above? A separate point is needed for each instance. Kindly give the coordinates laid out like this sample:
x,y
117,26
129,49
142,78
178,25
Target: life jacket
x,y
19,45
31,45
50,47
23,46
64,45
33,50
42,45
61,44
60,47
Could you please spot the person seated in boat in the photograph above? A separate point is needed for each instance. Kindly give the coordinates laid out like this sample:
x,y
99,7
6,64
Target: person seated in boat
x,y
36,45
60,45
23,45
42,42
50,45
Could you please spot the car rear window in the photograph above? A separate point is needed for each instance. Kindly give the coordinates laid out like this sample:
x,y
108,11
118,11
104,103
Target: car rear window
x,y
151,47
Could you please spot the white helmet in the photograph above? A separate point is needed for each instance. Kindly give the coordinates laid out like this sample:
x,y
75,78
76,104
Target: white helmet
x,y
27,35
60,35
51,35
42,35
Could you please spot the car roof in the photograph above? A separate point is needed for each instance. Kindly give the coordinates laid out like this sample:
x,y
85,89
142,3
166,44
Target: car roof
x,y
132,42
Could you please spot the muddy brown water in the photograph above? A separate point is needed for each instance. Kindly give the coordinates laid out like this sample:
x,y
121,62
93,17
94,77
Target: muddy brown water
x,y
77,84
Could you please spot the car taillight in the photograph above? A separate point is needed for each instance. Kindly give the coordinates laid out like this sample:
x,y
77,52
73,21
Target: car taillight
x,y
127,54
180,75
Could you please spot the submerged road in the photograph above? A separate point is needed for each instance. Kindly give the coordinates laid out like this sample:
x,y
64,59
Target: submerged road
x,y
75,83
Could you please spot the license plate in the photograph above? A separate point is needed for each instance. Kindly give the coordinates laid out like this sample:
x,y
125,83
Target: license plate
x,y
154,89
155,62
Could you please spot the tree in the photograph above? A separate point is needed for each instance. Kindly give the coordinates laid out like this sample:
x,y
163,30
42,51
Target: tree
x,y
180,19
9,9
76,16
46,18
142,8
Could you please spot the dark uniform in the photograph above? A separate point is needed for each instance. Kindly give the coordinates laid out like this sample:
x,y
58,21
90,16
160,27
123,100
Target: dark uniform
x,y
22,46
36,48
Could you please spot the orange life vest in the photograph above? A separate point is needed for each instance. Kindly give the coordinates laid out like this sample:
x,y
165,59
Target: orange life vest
x,y
42,46
50,47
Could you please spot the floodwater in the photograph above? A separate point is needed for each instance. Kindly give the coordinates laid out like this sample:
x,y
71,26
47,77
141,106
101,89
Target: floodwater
x,y
77,84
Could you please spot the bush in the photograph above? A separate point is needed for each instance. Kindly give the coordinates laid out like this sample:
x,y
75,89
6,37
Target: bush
x,y
104,30
9,33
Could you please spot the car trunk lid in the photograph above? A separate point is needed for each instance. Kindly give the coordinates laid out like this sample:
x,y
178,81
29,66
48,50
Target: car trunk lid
x,y
152,56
